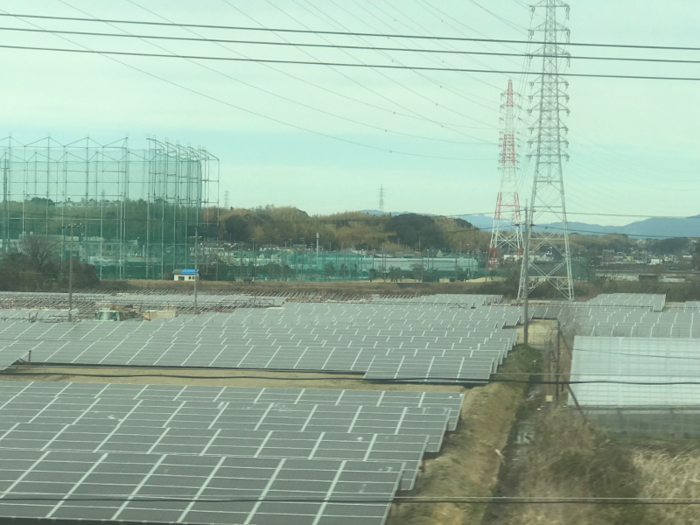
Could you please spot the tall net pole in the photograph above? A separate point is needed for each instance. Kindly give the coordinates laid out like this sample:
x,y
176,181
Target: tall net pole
x,y
506,235
550,256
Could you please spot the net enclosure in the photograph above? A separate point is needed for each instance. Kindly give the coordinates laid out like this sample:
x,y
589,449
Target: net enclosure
x,y
132,213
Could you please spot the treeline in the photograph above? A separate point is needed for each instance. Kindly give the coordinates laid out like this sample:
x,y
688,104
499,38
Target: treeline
x,y
37,266
287,226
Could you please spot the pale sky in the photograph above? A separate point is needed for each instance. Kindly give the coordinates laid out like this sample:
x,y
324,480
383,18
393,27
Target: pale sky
x,y
299,135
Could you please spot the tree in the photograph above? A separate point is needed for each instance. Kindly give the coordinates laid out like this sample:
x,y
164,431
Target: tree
x,y
236,229
413,229
672,246
418,272
41,253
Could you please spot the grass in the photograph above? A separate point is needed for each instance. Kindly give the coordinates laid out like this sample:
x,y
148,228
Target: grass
x,y
471,458
570,458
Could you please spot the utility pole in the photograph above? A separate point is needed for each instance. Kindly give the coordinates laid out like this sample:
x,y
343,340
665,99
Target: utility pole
x,y
196,267
556,361
70,273
526,273
548,144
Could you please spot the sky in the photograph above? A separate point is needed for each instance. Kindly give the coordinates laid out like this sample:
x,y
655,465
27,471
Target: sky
x,y
323,139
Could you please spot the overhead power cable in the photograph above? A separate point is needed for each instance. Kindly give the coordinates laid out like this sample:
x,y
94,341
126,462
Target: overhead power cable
x,y
336,64
315,108
359,500
407,114
343,376
347,33
249,111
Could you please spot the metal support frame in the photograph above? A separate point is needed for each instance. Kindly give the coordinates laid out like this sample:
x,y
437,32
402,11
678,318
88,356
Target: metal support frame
x,y
550,255
506,233
136,208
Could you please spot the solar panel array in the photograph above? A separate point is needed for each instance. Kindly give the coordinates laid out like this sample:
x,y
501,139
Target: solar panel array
x,y
633,322
121,443
420,339
198,490
633,359
655,302
86,304
464,300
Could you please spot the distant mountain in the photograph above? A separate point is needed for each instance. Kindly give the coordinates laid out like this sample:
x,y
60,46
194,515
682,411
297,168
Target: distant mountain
x,y
483,222
654,227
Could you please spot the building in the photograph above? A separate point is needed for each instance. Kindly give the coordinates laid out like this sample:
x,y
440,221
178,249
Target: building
x,y
186,275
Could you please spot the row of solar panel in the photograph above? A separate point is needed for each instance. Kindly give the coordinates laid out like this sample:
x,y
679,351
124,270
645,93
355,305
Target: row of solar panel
x,y
99,449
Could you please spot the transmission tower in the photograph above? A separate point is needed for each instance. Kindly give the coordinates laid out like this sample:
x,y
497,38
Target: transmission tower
x,y
550,257
226,199
506,235
381,199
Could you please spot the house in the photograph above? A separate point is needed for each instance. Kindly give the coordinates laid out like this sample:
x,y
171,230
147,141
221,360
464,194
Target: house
x,y
186,275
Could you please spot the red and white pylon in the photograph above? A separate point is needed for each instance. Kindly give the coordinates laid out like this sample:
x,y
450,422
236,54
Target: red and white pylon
x,y
506,233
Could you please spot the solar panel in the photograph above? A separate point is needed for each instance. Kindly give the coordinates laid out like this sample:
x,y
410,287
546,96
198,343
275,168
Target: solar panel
x,y
237,395
91,437
432,370
195,489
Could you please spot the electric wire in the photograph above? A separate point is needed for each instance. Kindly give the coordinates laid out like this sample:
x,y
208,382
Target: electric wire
x,y
249,111
336,64
517,27
441,85
329,45
343,377
346,33
381,73
309,83
451,89
413,500
409,112
296,102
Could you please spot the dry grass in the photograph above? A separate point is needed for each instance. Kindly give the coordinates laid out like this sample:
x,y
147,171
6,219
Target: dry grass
x,y
663,475
470,461
570,459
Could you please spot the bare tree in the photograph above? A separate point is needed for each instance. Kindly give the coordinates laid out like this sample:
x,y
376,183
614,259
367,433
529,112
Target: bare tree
x,y
41,253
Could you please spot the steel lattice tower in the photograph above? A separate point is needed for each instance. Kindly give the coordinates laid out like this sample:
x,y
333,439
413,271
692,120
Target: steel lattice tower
x,y
506,235
550,257
381,199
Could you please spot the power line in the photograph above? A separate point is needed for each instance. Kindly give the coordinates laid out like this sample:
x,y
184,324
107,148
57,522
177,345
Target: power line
x,y
369,500
378,72
456,381
348,33
598,233
414,116
337,64
249,111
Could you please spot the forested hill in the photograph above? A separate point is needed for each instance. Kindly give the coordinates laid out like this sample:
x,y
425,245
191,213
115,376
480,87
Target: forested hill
x,y
286,225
